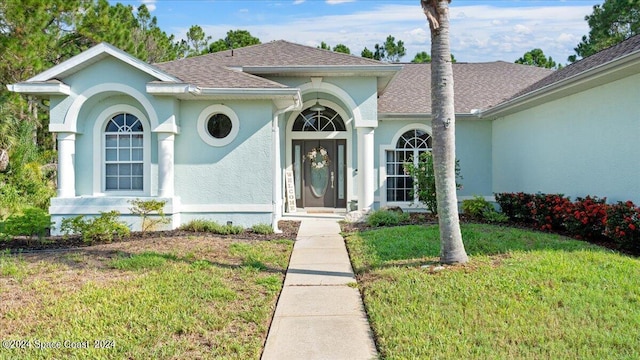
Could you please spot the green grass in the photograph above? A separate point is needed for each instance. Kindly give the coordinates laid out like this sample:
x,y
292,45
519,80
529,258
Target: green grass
x,y
152,304
523,295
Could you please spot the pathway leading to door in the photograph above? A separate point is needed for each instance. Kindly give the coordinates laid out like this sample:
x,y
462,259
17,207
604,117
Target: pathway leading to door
x,y
318,315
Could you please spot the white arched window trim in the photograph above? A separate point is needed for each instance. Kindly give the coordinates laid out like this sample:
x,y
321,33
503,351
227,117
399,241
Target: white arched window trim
x,y
383,164
99,179
204,118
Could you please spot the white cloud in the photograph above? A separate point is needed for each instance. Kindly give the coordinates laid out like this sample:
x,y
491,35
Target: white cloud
x,y
478,32
522,29
336,2
298,2
151,4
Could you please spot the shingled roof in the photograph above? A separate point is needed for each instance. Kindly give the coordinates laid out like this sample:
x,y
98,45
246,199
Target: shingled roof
x,y
476,86
607,55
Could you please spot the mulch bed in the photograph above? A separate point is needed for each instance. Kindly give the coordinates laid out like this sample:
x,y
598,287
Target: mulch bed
x,y
23,244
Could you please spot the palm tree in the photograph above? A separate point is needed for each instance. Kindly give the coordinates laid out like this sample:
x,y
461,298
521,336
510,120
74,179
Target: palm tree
x,y
443,124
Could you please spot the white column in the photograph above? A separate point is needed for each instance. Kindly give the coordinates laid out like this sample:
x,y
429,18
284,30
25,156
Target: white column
x,y
165,164
365,168
277,174
66,165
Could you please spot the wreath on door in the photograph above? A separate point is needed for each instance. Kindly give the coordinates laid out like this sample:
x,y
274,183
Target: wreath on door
x,y
319,158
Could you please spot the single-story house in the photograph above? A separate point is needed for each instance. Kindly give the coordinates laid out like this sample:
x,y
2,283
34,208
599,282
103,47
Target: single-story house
x,y
251,134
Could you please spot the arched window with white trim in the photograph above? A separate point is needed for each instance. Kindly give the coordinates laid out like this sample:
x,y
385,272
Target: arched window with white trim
x,y
325,119
124,153
408,148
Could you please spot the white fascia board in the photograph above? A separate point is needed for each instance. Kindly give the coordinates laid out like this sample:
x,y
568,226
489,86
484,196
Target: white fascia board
x,y
170,88
40,88
265,93
96,53
421,116
571,85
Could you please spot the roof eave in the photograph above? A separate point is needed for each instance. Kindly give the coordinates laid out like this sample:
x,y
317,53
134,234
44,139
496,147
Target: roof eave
x,y
185,91
611,71
421,116
40,88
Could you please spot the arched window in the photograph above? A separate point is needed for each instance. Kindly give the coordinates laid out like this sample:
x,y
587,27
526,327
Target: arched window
x,y
314,120
408,148
124,153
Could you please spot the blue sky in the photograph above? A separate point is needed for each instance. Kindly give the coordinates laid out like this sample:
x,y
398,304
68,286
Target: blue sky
x,y
480,30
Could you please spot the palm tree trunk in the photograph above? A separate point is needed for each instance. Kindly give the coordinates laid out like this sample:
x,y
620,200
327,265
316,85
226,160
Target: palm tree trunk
x,y
443,124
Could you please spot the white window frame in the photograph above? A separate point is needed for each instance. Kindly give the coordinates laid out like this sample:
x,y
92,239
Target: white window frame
x,y
204,118
383,166
99,152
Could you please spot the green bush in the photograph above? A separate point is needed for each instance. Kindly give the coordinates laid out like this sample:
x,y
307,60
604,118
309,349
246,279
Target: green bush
x,y
201,225
265,229
480,209
514,205
623,224
424,180
102,228
386,218
32,222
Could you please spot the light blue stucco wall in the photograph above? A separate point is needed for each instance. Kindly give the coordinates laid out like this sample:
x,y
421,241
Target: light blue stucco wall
x,y
473,150
584,144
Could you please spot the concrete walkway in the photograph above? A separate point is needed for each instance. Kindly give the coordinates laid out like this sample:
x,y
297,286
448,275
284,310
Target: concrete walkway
x,y
319,316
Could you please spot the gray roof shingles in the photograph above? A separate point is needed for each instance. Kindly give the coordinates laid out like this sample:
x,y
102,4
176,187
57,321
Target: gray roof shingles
x,y
476,86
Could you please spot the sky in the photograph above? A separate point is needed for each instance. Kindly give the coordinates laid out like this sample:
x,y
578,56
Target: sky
x,y
480,30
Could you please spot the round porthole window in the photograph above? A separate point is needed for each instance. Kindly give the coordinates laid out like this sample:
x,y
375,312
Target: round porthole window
x,y
218,125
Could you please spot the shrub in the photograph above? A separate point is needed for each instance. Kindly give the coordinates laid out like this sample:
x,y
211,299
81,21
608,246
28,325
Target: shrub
x,y
145,208
424,180
549,210
587,217
480,209
623,224
102,228
386,218
201,225
265,229
514,205
32,222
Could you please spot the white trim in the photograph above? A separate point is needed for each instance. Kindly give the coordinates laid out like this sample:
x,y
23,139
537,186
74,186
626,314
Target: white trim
x,y
319,86
95,54
226,208
291,135
203,118
70,123
383,161
40,88
99,151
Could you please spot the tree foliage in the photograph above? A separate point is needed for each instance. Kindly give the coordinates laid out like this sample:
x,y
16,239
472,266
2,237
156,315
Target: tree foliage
x,y
390,50
340,48
536,57
610,23
235,39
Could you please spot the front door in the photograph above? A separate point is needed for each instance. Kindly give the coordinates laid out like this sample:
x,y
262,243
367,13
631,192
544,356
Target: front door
x,y
323,168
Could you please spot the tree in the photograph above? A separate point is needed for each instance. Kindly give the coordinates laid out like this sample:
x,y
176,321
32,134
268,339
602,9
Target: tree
x,y
366,53
379,53
324,46
197,41
421,57
610,23
341,48
394,50
235,39
536,57
443,124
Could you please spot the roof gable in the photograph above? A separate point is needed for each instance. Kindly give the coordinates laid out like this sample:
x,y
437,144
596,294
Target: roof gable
x,y
94,55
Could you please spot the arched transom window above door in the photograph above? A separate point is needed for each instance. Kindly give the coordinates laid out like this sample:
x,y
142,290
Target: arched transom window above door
x,y
313,120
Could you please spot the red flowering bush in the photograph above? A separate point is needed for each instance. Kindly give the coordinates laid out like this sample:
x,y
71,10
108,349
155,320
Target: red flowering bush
x,y
587,217
514,205
623,224
549,210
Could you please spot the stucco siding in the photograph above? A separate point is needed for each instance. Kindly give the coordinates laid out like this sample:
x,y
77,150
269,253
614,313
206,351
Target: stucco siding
x,y
237,173
583,144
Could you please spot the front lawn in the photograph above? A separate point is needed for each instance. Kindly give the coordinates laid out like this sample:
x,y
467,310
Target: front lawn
x,y
156,298
523,295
